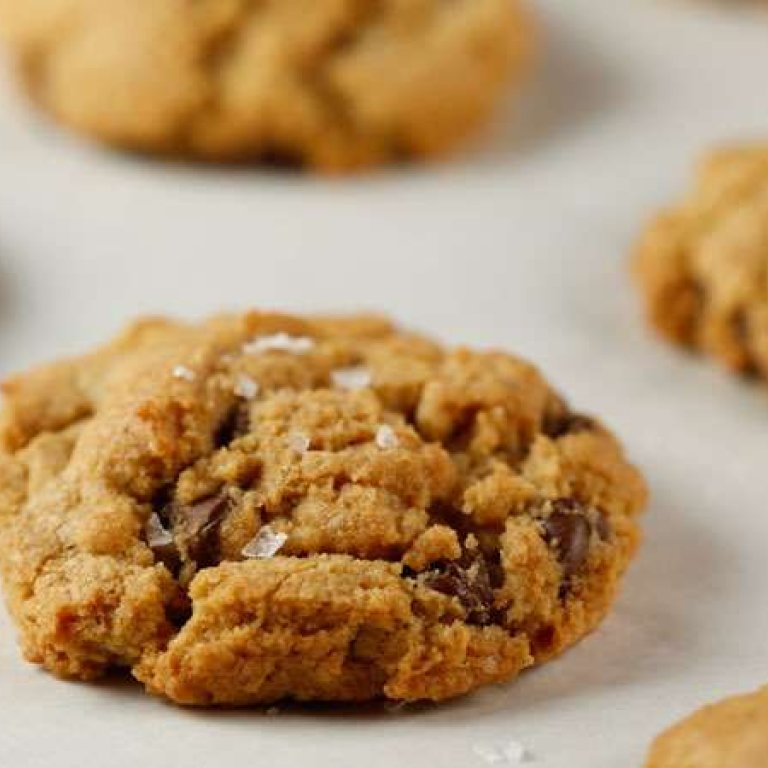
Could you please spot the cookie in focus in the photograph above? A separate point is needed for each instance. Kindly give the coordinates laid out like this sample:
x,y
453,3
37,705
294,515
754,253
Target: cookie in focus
x,y
261,506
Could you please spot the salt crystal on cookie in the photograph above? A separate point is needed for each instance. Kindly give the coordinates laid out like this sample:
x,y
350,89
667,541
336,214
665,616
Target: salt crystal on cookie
x,y
265,544
386,437
246,387
182,372
279,342
351,379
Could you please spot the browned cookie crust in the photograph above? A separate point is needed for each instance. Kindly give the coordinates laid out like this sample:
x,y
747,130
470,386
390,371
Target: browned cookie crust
x,y
730,734
333,84
264,506
703,266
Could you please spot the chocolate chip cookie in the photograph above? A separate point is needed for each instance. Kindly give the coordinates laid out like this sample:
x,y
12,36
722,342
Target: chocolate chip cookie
x,y
730,734
262,507
332,84
703,265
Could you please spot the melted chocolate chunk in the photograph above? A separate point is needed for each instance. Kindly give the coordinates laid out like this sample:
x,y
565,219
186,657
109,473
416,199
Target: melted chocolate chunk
x,y
196,528
603,527
168,555
158,536
558,425
179,610
468,580
568,531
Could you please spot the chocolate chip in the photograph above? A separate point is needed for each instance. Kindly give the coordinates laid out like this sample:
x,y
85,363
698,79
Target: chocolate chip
x,y
468,580
558,425
161,501
179,610
568,531
544,639
196,528
603,526
168,555
235,424
158,536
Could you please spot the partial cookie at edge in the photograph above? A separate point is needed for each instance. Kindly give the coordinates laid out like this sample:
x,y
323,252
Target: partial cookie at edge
x,y
702,266
732,733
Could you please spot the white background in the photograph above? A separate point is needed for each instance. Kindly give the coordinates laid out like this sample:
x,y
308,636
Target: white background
x,y
521,242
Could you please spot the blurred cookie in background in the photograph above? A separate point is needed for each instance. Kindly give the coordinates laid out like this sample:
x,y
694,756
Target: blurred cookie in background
x,y
702,266
332,84
730,734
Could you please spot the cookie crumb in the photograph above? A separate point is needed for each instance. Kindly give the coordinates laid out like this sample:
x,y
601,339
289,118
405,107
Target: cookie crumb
x,y
279,342
265,544
182,372
386,437
299,442
351,379
246,387
511,753
156,533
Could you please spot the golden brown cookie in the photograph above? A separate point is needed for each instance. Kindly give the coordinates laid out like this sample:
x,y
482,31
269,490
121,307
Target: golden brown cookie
x,y
703,266
264,506
730,734
333,84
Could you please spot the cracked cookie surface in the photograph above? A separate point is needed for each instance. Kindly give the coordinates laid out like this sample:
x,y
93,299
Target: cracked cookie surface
x,y
331,84
262,506
703,266
730,734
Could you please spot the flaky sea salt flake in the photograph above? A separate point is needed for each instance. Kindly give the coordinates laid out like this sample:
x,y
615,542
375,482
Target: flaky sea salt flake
x,y
511,753
182,372
386,437
353,378
157,535
265,544
279,342
299,442
246,387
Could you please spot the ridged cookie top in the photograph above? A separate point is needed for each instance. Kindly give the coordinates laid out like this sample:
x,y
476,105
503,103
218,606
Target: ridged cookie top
x,y
153,488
